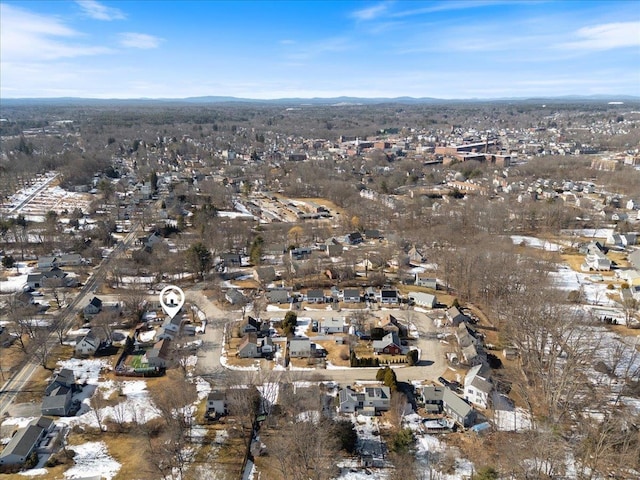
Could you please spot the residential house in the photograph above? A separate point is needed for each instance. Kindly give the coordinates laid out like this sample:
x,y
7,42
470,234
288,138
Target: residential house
x,y
315,296
87,345
369,402
93,308
370,294
622,239
351,295
456,317
415,257
235,297
348,400
478,386
378,398
231,259
389,296
50,278
354,238
160,355
256,326
390,324
171,327
217,403
47,262
468,344
424,280
34,280
629,239
150,241
634,259
265,275
423,299
24,442
68,260
267,347
372,234
470,355
300,253
334,251
389,345
57,402
248,347
64,378
458,409
278,296
300,347
596,260
432,398
332,325
250,326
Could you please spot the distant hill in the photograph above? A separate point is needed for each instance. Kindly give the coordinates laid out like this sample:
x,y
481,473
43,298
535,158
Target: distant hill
x,y
316,101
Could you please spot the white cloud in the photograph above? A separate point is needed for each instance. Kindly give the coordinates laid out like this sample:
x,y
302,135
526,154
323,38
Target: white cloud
x,y
371,12
606,36
98,11
26,35
139,40
448,6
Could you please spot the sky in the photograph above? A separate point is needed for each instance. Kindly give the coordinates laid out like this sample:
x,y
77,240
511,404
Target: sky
x,y
284,49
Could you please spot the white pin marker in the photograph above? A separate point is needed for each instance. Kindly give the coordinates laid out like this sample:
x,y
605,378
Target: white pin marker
x,y
171,300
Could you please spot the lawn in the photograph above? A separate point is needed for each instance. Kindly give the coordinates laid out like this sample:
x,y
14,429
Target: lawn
x,y
136,361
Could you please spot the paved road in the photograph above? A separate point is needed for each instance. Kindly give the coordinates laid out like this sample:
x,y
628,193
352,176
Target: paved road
x,y
20,378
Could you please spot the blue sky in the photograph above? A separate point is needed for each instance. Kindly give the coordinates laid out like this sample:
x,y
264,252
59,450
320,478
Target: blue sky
x,y
444,49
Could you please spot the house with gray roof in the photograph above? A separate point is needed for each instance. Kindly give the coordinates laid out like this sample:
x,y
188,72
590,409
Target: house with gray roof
x,y
93,307
278,296
373,400
87,345
423,299
315,296
300,347
457,408
58,402
351,295
25,442
64,377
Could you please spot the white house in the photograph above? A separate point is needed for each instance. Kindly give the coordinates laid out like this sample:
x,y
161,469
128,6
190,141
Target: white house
x,y
477,386
87,345
216,402
423,299
596,260
332,325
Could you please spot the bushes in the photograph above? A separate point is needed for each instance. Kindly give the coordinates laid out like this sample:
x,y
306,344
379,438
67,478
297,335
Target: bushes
x,y
494,362
402,441
354,361
346,434
289,323
486,473
412,357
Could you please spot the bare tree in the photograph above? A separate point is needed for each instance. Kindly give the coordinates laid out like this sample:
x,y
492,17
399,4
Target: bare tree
x,y
41,347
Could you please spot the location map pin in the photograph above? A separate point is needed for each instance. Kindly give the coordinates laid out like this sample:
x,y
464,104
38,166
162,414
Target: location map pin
x,y
171,300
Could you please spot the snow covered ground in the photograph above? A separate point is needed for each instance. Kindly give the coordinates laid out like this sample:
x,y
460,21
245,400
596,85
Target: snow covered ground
x,y
595,292
534,242
15,283
92,459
